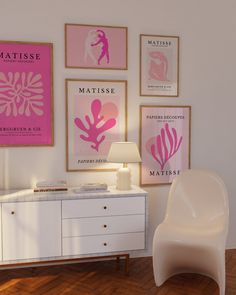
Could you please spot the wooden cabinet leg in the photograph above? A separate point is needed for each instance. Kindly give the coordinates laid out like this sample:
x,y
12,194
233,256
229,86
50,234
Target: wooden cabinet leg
x,y
118,263
127,264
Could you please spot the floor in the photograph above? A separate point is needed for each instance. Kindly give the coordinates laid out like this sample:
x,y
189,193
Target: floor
x,y
102,278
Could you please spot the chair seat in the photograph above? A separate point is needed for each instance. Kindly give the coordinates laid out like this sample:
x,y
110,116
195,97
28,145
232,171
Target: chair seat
x,y
191,235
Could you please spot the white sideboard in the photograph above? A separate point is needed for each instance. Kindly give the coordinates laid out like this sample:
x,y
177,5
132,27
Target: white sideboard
x,y
46,227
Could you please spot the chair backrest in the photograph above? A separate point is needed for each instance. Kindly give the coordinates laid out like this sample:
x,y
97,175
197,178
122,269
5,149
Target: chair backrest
x,y
198,198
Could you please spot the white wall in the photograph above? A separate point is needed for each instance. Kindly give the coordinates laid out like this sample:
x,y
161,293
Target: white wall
x,y
207,83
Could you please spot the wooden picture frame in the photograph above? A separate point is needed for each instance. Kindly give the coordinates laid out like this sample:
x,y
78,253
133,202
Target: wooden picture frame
x,y
96,115
159,65
26,94
164,143
96,47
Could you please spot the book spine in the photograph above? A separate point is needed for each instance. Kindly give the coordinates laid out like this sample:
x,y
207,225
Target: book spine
x,y
49,189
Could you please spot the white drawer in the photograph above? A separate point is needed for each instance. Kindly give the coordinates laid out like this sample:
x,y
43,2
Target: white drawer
x,y
103,207
102,225
103,243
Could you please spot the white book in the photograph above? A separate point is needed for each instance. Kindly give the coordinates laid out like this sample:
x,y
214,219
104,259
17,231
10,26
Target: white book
x,y
51,183
91,187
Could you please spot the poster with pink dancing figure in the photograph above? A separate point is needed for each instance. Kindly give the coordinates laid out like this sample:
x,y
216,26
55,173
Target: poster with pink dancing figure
x,y
96,116
95,47
26,94
164,143
159,65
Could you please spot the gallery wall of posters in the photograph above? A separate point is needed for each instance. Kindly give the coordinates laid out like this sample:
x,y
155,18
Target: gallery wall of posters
x,y
164,143
26,94
96,47
159,65
96,116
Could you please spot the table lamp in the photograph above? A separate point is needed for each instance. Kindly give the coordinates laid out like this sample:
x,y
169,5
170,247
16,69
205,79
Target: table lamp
x,y
123,152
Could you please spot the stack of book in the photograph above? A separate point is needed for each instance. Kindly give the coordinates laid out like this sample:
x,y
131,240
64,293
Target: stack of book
x,y
51,186
91,187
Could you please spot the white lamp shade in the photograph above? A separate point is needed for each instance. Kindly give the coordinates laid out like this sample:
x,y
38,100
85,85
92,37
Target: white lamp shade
x,y
124,152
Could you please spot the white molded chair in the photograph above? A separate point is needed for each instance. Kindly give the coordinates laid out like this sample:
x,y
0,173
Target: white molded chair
x,y
193,234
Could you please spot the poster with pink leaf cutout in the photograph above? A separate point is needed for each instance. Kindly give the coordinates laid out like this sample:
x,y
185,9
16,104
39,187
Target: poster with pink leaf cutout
x,y
26,94
96,47
159,65
164,143
96,116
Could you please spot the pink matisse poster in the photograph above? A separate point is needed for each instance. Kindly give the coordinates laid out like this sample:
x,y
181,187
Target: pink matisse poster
x,y
159,65
95,47
164,143
26,94
96,116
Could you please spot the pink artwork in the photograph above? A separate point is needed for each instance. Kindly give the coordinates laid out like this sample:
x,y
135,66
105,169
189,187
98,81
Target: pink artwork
x,y
96,116
163,146
165,143
21,94
25,94
103,44
159,67
90,46
95,129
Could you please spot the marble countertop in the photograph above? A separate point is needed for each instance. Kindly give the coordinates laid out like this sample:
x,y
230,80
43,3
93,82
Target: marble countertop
x,y
28,195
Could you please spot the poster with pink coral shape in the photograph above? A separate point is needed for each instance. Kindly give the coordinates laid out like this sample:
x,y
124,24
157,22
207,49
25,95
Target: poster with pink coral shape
x,y
26,94
96,47
96,116
164,143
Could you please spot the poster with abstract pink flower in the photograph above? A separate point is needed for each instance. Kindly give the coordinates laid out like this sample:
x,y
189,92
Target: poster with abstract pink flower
x,y
26,94
164,143
159,65
96,47
96,116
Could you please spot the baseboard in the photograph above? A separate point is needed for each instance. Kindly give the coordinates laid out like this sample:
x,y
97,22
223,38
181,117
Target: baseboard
x,y
231,247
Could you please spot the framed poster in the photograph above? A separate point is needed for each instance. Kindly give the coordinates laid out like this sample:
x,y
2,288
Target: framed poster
x,y
26,94
96,47
95,116
159,65
164,143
